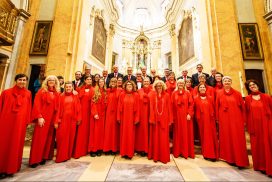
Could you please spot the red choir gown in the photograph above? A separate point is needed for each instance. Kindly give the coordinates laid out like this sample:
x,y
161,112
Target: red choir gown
x,y
141,129
15,110
259,125
97,126
85,94
69,115
230,113
205,117
128,115
171,86
160,118
46,106
183,140
112,128
218,88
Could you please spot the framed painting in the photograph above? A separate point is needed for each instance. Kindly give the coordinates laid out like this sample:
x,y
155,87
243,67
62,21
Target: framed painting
x,y
41,38
250,41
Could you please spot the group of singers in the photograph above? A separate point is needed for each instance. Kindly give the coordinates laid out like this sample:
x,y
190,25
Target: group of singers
x,y
114,113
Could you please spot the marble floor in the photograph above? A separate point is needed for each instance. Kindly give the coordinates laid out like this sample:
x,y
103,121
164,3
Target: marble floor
x,y
115,168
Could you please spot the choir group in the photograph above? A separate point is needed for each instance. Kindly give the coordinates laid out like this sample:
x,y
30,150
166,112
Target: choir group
x,y
136,114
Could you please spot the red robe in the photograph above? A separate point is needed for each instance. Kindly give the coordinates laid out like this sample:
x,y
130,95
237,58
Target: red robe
x,y
190,89
209,91
15,110
205,116
69,115
97,126
259,125
160,118
171,86
218,88
141,129
128,115
83,129
230,113
46,106
112,128
183,138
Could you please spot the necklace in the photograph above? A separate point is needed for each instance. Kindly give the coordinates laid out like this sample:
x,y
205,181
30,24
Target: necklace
x,y
159,113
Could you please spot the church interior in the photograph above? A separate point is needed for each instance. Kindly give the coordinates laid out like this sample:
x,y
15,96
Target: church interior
x,y
60,37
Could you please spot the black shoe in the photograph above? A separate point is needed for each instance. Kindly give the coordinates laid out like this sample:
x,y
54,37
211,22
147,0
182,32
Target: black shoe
x,y
33,165
113,153
9,175
3,175
92,154
209,159
98,154
43,162
107,153
143,154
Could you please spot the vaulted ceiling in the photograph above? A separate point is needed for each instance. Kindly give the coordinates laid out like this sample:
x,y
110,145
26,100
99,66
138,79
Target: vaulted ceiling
x,y
147,13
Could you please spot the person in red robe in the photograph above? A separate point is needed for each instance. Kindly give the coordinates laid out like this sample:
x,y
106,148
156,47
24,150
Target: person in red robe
x,y
160,118
259,126
183,111
205,117
188,84
44,115
85,94
15,112
69,117
171,83
218,85
230,114
209,89
141,129
128,117
97,120
112,128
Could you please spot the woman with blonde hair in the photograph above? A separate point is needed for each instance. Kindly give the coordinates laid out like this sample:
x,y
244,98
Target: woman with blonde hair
x,y
160,118
97,120
183,111
68,118
44,114
112,128
128,117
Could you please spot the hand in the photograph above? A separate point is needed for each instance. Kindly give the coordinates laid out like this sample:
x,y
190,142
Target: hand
x,y
75,92
56,125
41,122
136,122
96,117
78,122
188,117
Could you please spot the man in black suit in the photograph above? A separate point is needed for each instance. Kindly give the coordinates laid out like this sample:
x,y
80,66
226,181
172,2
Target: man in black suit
x,y
195,81
115,73
166,74
87,72
106,78
153,74
77,82
184,75
144,75
211,79
129,76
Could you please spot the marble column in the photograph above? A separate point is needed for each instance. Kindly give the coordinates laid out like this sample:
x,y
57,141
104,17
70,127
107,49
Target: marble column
x,y
265,33
174,52
227,42
4,64
109,49
62,42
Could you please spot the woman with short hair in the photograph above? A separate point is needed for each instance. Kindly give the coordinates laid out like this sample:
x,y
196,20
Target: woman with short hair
x,y
230,114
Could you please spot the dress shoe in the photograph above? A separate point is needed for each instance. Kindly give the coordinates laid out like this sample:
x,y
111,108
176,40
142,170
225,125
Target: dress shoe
x,y
43,162
33,165
92,154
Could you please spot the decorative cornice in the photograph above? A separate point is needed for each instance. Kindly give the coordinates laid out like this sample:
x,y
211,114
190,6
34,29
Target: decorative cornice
x,y
24,14
268,17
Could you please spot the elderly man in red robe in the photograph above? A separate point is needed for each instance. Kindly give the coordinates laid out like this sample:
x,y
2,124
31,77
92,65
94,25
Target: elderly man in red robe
x,y
15,110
